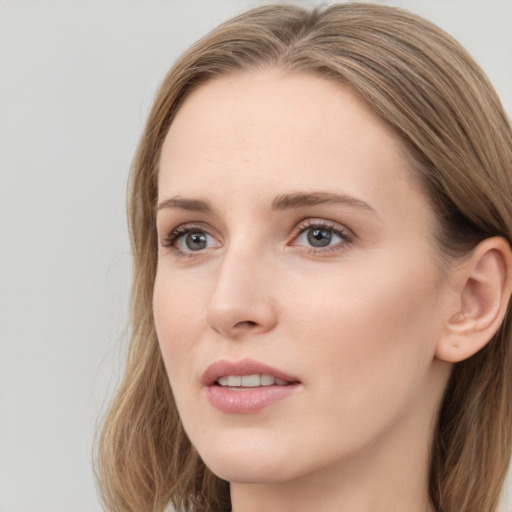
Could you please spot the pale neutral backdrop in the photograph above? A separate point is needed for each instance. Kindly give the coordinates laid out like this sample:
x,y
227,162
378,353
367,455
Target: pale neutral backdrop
x,y
76,82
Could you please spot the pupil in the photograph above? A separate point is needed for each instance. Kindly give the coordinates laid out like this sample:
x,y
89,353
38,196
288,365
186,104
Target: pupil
x,y
319,237
196,241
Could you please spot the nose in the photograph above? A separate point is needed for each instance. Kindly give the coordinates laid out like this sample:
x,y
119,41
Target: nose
x,y
242,300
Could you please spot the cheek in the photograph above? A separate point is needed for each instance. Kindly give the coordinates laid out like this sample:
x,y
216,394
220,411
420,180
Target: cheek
x,y
177,315
373,338
364,308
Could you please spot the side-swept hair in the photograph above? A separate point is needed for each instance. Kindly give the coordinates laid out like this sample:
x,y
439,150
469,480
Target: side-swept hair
x,y
459,141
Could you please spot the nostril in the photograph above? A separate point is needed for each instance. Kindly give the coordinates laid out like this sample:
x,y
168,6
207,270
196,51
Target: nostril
x,y
246,323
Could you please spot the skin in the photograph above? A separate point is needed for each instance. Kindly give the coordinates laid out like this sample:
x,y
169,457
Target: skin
x,y
357,321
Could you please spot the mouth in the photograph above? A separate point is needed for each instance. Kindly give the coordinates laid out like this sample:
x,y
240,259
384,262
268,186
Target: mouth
x,y
246,386
250,381
246,373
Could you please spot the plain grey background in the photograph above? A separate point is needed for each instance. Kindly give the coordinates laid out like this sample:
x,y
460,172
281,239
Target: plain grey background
x,y
77,79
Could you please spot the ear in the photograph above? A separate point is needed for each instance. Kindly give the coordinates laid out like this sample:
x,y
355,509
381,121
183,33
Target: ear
x,y
484,286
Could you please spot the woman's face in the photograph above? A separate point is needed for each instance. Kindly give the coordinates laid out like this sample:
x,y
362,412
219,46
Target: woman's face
x,y
298,300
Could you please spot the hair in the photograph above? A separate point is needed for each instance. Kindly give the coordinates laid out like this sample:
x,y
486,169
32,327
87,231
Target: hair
x,y
459,142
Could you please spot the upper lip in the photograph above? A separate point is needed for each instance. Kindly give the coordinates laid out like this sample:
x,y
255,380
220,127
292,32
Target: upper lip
x,y
223,368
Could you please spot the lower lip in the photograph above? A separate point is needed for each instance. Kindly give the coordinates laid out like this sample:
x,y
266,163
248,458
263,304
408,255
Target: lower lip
x,y
247,400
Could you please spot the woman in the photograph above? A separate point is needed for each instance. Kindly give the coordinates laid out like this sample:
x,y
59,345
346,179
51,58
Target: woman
x,y
321,223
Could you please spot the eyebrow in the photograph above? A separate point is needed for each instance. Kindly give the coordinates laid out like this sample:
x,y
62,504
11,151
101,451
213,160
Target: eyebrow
x,y
281,202
299,200
180,203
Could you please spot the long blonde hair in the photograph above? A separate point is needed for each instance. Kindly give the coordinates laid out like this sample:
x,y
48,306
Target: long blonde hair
x,y
459,141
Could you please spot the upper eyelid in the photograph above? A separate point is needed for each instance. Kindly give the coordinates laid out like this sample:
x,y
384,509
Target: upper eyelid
x,y
316,221
168,220
187,226
302,224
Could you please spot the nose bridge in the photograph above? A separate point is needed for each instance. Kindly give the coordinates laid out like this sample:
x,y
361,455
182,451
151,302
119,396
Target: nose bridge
x,y
241,298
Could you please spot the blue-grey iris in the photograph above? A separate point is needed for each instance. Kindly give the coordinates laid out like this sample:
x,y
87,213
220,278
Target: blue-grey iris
x,y
195,241
319,237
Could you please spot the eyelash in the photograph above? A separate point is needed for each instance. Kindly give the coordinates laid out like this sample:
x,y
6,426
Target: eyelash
x,y
345,235
177,233
347,238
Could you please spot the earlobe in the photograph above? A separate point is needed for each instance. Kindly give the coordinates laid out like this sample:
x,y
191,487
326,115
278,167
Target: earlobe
x,y
484,289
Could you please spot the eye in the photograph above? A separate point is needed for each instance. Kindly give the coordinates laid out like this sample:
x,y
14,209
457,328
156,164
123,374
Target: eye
x,y
194,241
321,235
188,239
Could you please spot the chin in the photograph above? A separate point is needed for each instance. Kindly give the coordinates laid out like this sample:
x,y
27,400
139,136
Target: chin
x,y
246,464
247,473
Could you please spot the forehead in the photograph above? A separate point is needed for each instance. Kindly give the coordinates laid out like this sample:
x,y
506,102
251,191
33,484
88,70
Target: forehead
x,y
271,131
234,108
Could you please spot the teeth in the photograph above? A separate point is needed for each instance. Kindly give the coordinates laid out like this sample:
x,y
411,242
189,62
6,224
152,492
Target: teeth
x,y
267,380
234,381
250,381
